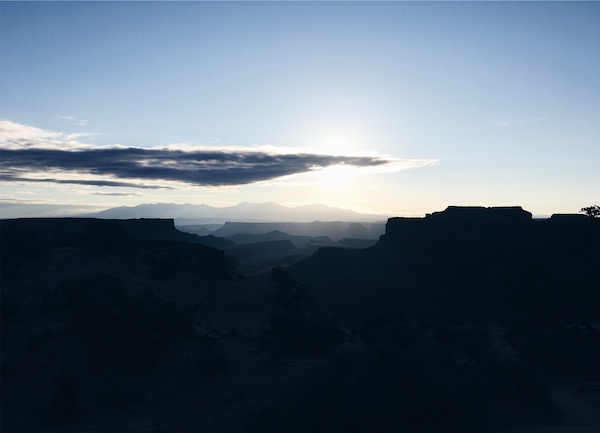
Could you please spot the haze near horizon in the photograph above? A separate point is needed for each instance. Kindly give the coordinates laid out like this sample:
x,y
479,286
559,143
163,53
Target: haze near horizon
x,y
396,108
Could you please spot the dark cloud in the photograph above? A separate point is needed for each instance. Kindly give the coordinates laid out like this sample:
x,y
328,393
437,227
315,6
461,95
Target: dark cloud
x,y
92,182
118,194
204,168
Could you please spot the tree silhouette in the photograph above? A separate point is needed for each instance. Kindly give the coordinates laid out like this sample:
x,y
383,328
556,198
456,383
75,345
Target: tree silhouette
x,y
591,211
290,294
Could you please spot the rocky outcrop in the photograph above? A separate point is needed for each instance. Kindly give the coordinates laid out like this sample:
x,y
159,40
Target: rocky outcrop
x,y
481,214
465,218
490,226
149,229
463,264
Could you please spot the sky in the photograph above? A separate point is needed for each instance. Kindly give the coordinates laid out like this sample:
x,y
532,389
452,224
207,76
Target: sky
x,y
396,108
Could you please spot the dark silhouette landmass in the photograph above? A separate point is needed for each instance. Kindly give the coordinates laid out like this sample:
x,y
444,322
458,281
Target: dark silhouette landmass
x,y
465,265
468,320
143,228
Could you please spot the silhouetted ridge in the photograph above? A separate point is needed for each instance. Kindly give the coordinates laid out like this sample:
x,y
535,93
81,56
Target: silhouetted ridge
x,y
458,227
486,224
149,229
164,249
570,217
465,265
468,215
480,214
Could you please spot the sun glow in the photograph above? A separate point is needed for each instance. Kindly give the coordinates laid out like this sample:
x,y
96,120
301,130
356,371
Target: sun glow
x,y
338,175
338,140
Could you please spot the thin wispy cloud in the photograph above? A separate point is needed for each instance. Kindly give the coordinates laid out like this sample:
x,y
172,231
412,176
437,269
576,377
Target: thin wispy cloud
x,y
73,120
118,194
518,122
35,157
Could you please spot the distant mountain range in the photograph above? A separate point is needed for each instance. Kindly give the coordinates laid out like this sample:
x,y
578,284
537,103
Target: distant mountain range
x,y
188,214
22,209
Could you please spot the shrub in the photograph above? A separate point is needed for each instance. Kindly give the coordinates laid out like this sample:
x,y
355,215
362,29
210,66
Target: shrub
x,y
289,294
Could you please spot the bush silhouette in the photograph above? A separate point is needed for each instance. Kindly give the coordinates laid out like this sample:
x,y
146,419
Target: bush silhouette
x,y
291,295
591,211
292,329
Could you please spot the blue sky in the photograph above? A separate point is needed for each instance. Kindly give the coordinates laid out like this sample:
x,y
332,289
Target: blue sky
x,y
395,107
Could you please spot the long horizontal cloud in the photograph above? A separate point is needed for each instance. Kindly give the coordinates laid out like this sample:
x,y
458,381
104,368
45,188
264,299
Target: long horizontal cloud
x,y
204,168
29,154
89,182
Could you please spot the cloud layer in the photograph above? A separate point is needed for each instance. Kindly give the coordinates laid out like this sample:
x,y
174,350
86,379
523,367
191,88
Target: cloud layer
x,y
203,168
36,156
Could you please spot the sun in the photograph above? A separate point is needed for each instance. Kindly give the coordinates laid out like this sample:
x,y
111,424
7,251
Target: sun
x,y
336,176
337,144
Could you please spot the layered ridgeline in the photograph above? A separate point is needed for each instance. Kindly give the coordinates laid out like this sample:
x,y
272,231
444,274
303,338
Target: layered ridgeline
x,y
465,265
192,214
335,230
256,246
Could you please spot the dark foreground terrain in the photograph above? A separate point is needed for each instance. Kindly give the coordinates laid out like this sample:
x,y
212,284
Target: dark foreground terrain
x,y
469,320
